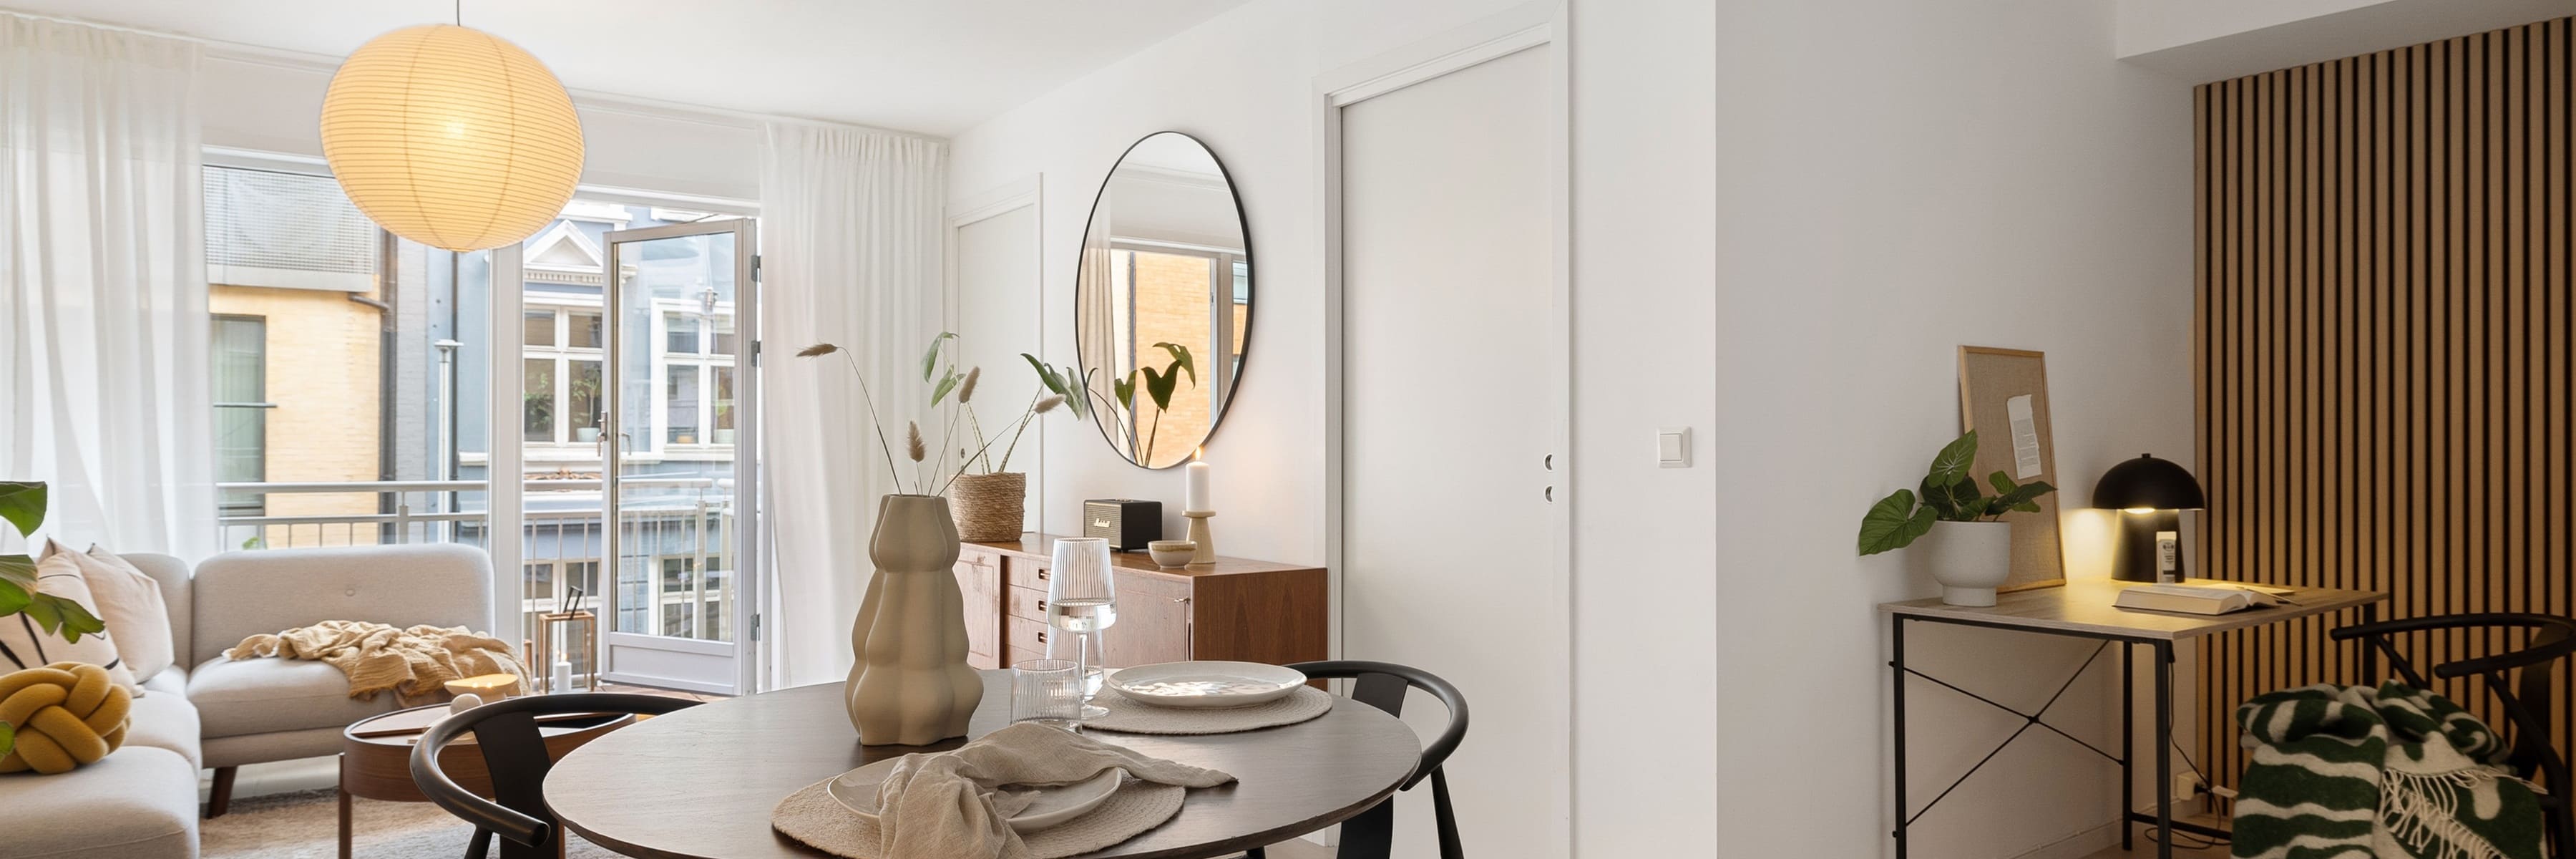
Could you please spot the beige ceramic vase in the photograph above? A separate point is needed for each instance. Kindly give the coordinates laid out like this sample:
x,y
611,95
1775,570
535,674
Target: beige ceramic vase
x,y
911,685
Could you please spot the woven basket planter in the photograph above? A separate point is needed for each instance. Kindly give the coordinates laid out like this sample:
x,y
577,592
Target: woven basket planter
x,y
990,507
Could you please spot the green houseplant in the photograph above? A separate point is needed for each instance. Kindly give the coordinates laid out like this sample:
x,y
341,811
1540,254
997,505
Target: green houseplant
x,y
1120,402
23,505
1973,556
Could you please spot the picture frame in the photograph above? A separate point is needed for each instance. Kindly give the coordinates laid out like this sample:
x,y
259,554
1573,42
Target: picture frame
x,y
1999,390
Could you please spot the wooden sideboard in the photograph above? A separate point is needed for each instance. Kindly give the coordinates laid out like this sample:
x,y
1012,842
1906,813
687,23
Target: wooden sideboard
x,y
1233,609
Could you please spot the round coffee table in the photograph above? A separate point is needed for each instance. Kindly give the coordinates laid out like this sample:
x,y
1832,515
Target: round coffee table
x,y
375,757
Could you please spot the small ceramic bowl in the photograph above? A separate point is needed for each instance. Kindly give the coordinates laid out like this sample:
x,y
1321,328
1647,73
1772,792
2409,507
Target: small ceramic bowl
x,y
1172,553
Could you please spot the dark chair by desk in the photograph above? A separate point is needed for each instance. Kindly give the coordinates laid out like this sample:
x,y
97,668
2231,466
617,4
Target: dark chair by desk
x,y
2526,698
1382,685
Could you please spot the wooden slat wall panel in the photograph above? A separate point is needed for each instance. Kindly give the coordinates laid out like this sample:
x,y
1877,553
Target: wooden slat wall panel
x,y
2382,347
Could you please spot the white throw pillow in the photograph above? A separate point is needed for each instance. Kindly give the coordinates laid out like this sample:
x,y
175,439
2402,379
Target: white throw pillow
x,y
23,644
130,601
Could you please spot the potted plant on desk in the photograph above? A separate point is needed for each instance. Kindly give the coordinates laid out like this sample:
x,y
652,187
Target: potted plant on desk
x,y
1973,553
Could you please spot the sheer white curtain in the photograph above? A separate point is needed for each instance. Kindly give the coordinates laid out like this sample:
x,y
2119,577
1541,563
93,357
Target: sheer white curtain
x,y
850,225
104,376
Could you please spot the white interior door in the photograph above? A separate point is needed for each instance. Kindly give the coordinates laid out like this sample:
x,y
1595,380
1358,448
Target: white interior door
x,y
996,266
1453,414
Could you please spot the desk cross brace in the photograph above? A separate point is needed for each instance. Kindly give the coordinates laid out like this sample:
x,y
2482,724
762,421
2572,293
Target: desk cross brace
x,y
2029,720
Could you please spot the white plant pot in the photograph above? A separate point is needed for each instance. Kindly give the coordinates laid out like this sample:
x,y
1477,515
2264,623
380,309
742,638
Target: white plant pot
x,y
585,435
1969,559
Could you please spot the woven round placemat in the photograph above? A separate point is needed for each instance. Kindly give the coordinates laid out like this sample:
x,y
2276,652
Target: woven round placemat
x,y
813,817
1129,717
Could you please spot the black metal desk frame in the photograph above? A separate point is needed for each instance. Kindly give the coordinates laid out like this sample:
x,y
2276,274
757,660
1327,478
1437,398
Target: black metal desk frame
x,y
2162,654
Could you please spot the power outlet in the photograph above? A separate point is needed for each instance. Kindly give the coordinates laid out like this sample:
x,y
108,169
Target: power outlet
x,y
2186,788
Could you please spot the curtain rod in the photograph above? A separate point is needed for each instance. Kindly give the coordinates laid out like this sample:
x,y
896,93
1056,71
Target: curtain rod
x,y
294,60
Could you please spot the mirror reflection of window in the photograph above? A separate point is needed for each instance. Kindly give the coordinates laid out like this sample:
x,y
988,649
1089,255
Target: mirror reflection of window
x,y
1165,260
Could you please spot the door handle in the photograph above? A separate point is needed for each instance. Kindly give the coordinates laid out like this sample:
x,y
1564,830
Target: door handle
x,y
1550,494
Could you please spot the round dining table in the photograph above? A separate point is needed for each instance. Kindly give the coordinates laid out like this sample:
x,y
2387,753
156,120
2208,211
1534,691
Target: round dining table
x,y
700,783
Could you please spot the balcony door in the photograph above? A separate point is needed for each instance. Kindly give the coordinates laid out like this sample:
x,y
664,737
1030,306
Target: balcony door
x,y
677,447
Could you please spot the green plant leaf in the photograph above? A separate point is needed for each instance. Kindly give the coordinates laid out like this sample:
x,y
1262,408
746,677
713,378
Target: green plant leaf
x,y
1181,359
2024,498
1160,386
1126,391
1046,375
1954,502
1893,523
8,739
1951,464
930,359
946,384
23,504
14,598
71,621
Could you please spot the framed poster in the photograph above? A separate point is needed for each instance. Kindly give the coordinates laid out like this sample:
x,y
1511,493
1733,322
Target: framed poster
x,y
2003,394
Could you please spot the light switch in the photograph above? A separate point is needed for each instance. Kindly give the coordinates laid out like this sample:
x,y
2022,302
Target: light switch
x,y
1672,447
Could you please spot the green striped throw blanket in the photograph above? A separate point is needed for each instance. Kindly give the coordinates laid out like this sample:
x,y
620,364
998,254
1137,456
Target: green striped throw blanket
x,y
2352,772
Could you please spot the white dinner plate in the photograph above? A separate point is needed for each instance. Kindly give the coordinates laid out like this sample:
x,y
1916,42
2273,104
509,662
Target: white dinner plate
x,y
857,789
1206,685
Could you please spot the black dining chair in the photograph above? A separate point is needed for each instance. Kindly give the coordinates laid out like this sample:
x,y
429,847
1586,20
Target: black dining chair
x,y
514,752
1371,835
2526,698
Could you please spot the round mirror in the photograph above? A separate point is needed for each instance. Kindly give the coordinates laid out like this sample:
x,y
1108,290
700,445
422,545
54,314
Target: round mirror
x,y
1163,305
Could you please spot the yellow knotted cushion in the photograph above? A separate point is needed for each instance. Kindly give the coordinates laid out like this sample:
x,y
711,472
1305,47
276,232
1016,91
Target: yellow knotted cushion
x,y
67,714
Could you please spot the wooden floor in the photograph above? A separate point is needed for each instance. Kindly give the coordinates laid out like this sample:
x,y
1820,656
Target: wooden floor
x,y
2146,846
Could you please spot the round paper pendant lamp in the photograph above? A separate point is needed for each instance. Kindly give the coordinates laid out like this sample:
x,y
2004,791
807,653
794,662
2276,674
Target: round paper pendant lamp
x,y
451,137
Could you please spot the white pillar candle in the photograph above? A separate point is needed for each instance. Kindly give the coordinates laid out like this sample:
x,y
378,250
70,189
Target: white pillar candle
x,y
1196,496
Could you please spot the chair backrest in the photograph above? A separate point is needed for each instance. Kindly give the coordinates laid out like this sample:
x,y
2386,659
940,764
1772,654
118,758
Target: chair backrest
x,y
172,575
241,594
514,752
2519,678
1383,685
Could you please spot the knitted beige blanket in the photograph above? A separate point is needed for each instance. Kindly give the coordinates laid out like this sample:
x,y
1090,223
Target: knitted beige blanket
x,y
415,664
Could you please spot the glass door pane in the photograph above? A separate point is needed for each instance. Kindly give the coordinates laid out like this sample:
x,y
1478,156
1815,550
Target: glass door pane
x,y
678,484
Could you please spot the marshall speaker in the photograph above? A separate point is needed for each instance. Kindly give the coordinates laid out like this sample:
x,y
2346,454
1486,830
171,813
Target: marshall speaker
x,y
1129,524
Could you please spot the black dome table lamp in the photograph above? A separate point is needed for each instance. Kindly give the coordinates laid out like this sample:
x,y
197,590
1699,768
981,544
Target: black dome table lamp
x,y
2149,493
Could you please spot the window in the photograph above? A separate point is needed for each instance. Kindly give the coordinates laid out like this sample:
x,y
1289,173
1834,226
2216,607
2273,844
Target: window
x,y
241,410
561,385
697,374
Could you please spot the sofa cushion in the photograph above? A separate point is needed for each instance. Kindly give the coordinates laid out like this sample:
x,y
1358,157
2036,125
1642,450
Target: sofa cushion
x,y
24,645
165,719
130,602
137,803
255,696
173,576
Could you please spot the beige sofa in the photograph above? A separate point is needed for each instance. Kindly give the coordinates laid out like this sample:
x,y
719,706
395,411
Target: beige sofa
x,y
141,801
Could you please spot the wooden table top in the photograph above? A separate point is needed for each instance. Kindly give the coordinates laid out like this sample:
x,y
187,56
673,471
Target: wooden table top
x,y
700,783
2084,606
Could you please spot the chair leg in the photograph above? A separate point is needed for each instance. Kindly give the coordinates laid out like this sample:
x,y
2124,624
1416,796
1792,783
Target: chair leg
x,y
1256,853
220,799
1447,818
481,846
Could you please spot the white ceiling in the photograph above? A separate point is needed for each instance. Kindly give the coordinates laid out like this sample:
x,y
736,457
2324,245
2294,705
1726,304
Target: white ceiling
x,y
930,66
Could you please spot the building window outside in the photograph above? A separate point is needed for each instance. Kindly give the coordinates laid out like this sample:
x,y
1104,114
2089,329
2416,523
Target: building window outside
x,y
561,382
241,409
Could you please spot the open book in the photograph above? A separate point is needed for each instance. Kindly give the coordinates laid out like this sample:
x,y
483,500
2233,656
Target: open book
x,y
2194,599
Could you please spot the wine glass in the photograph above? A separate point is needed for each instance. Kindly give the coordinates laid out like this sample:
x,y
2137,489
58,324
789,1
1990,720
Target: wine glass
x,y
1082,600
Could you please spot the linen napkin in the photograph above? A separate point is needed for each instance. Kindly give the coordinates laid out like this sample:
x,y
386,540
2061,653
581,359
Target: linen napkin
x,y
945,804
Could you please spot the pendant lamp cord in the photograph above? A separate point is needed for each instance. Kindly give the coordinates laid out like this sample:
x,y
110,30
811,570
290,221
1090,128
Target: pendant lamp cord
x,y
460,13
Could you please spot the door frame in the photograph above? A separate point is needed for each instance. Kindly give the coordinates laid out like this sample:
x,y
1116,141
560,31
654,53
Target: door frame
x,y
1540,24
747,557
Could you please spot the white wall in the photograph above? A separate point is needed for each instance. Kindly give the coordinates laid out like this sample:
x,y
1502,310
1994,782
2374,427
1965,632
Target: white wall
x,y
274,104
1896,179
1644,133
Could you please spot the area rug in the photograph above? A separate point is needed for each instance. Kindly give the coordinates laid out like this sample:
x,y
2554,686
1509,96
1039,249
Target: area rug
x,y
305,825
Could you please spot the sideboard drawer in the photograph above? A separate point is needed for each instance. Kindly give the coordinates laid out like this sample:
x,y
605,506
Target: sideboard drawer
x,y
1026,634
1026,603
